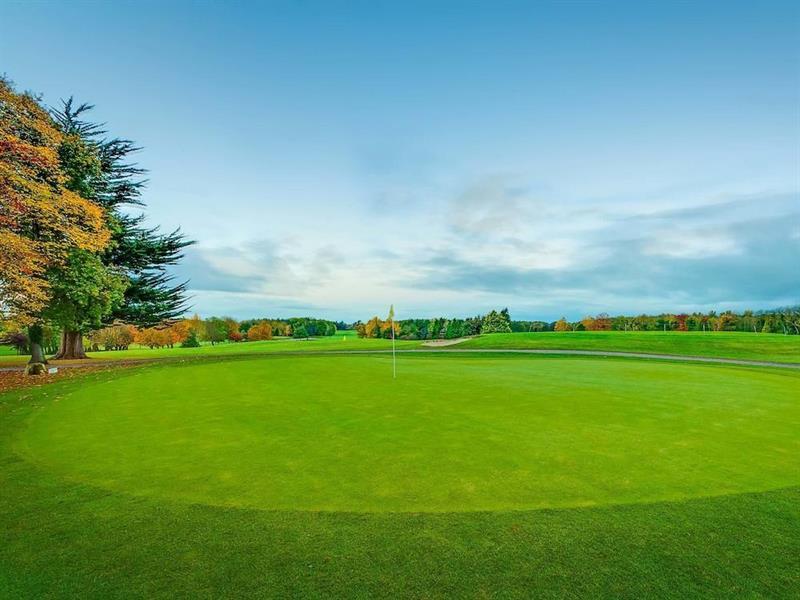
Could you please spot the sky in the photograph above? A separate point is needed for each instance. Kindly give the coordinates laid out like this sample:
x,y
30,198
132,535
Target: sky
x,y
560,159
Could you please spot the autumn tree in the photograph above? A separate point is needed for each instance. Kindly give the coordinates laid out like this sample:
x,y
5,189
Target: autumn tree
x,y
152,337
260,331
115,337
42,221
373,327
232,329
561,325
602,322
179,331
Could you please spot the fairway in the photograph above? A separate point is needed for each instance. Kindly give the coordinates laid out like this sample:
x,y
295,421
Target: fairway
x,y
450,434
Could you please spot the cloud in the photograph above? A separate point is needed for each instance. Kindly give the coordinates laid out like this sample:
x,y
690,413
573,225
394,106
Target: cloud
x,y
741,250
495,242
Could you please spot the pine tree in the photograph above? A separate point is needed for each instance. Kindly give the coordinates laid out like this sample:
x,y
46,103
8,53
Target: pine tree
x,y
139,254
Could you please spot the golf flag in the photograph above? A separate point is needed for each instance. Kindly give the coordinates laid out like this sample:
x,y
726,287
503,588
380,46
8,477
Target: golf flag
x,y
390,318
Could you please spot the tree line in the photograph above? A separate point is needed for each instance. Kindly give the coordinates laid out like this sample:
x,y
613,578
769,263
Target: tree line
x,y
781,320
436,328
186,333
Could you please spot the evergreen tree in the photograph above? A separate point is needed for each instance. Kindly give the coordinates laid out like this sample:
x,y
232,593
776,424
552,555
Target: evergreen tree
x,y
191,340
98,169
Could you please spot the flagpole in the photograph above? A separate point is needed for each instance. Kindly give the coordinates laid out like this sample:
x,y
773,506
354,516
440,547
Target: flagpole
x,y
394,354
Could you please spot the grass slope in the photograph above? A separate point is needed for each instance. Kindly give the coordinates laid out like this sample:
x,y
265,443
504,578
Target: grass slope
x,y
66,537
753,346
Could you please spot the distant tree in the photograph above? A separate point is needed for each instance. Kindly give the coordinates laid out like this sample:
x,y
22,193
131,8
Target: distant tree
x,y
300,332
115,337
496,322
232,332
361,329
215,330
561,325
602,322
179,331
260,331
191,340
373,327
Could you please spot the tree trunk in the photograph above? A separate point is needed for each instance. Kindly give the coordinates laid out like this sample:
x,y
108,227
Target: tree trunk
x,y
71,346
36,365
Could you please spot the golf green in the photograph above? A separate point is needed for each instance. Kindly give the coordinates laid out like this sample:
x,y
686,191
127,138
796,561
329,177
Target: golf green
x,y
449,434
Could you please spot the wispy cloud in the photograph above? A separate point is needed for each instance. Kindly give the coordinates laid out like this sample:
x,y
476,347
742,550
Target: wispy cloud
x,y
495,242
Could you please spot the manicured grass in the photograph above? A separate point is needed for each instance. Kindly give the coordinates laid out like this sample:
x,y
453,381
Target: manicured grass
x,y
514,476
449,434
728,344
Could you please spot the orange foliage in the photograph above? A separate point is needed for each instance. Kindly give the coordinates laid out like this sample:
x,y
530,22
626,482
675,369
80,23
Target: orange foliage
x,y
561,325
260,331
40,220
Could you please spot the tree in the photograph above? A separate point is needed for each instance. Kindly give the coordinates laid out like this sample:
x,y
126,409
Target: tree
x,y
602,322
83,293
115,337
561,325
373,327
42,220
496,322
98,170
179,331
191,340
300,332
260,331
215,330
232,329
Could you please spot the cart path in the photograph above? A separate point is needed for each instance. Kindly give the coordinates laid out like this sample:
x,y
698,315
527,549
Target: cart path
x,y
547,352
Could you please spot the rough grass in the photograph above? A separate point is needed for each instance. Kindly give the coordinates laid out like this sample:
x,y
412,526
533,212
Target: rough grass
x,y
771,347
77,526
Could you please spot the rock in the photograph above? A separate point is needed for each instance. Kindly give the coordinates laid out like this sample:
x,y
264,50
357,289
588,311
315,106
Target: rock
x,y
36,369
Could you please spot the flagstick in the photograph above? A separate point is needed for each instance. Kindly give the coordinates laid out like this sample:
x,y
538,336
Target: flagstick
x,y
394,355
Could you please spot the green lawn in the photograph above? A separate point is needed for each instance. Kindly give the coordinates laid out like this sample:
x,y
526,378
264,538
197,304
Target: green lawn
x,y
754,346
766,347
7,351
467,476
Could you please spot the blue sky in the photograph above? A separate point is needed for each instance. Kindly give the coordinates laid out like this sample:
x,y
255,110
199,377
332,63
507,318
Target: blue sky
x,y
557,158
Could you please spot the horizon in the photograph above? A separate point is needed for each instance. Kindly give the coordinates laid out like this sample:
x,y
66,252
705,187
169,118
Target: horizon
x,y
557,159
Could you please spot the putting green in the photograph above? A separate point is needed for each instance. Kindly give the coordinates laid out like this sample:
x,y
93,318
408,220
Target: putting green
x,y
449,434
